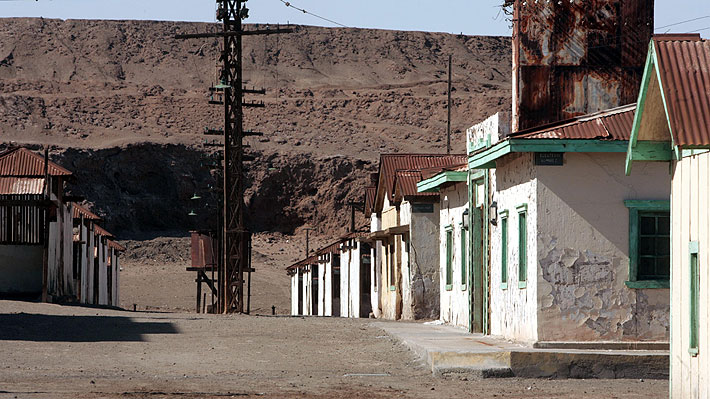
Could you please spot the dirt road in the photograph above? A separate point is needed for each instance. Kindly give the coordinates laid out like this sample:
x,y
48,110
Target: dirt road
x,y
50,351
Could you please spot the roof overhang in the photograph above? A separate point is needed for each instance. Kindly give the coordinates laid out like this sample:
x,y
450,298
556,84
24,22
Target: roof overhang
x,y
443,179
486,159
652,136
382,235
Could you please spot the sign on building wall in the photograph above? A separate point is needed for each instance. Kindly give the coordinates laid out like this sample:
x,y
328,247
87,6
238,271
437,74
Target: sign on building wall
x,y
422,208
549,158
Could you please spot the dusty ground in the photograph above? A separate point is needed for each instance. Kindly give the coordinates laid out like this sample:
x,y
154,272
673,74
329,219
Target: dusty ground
x,y
154,276
49,351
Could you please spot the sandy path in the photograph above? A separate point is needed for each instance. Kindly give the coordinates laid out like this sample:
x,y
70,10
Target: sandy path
x,y
50,351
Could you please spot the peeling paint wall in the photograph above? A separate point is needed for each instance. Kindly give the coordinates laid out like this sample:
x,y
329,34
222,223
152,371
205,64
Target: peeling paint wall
x,y
351,257
454,303
582,251
421,293
514,310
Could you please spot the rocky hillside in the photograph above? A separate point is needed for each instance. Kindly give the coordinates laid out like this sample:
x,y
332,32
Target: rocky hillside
x,y
124,105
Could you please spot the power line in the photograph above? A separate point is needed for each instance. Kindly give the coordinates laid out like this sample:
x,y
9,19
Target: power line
x,y
288,4
683,22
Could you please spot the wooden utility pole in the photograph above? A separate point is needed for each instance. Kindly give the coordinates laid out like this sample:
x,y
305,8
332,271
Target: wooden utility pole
x,y
308,250
236,239
448,109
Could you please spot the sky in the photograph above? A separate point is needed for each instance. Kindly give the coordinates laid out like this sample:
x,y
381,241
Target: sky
x,y
471,17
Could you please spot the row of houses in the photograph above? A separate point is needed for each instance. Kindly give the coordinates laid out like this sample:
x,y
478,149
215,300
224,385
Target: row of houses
x,y
51,247
579,220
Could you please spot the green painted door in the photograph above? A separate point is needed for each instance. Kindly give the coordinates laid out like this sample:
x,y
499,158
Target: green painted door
x,y
477,232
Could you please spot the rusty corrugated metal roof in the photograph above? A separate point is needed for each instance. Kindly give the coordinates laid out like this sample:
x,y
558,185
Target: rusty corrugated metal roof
x,y
405,182
21,186
80,210
611,124
115,245
21,162
391,163
431,172
312,260
684,68
370,194
102,232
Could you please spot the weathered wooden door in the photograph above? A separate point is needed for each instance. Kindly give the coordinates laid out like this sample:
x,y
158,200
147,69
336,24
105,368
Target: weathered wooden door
x,y
479,279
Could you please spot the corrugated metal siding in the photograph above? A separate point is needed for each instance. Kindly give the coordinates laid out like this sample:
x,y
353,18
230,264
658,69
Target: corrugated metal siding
x,y
684,66
23,162
20,186
613,124
572,58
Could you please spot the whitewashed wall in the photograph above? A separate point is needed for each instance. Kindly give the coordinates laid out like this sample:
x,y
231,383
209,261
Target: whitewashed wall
x,y
321,289
376,276
344,284
514,310
454,303
294,295
306,293
353,257
328,282
690,218
583,251
423,264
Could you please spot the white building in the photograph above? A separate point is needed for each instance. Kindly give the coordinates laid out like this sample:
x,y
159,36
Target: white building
x,y
563,227
451,184
404,222
672,125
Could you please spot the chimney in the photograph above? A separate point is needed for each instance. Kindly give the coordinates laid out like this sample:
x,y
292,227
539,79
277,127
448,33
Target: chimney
x,y
575,57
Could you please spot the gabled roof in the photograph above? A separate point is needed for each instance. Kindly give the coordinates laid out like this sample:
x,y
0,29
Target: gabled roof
x,y
674,101
391,163
21,162
684,71
102,232
405,185
113,244
370,194
610,124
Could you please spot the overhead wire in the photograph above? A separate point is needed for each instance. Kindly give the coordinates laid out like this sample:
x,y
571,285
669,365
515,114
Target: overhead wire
x,y
288,4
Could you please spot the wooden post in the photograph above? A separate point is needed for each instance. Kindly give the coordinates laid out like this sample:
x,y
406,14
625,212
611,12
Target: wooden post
x,y
199,292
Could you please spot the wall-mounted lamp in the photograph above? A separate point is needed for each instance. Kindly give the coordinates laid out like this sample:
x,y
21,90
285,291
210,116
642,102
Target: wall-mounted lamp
x,y
493,213
464,219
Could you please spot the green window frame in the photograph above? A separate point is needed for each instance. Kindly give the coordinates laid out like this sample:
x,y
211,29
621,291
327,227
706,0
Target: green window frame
x,y
449,258
522,245
504,250
464,260
694,293
649,243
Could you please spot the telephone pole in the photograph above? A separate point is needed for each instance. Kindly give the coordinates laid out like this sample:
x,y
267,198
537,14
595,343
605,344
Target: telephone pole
x,y
448,109
236,239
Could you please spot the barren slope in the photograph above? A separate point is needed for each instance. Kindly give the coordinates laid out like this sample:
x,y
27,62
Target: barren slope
x,y
124,105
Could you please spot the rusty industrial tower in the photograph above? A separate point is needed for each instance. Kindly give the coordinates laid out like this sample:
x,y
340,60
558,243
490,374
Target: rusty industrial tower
x,y
575,57
235,248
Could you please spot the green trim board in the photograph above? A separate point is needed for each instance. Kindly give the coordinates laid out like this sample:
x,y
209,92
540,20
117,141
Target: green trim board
x,y
462,243
637,208
694,294
449,255
504,249
433,184
522,244
486,159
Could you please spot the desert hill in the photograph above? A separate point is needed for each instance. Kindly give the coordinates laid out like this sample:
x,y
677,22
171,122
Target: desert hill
x,y
124,105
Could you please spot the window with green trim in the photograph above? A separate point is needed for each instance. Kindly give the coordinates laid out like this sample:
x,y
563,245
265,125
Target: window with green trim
x,y
504,250
649,244
449,258
694,298
464,259
522,245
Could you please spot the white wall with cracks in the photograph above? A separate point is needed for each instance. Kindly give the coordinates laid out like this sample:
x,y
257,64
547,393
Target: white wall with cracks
x,y
514,310
583,251
422,295
454,302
